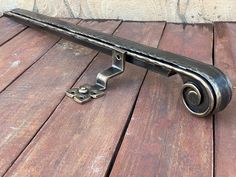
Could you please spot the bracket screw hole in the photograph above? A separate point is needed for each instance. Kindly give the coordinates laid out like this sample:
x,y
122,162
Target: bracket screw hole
x,y
118,57
81,96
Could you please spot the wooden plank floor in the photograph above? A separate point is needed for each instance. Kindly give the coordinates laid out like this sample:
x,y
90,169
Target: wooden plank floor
x,y
139,128
160,128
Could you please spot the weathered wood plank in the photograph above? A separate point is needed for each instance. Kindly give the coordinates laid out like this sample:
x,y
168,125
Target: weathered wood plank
x,y
163,139
80,140
9,29
225,122
27,103
21,52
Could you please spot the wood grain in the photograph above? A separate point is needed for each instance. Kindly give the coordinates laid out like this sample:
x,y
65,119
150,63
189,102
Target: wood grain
x,y
196,11
163,139
225,122
21,52
80,140
9,29
28,102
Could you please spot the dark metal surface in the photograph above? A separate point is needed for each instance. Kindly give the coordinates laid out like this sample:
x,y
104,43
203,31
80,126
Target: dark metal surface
x,y
206,89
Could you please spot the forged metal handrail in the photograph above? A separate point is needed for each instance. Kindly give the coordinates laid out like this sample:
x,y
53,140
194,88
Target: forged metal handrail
x,y
206,89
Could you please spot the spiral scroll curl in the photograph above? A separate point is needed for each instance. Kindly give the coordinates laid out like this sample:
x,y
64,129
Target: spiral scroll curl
x,y
198,98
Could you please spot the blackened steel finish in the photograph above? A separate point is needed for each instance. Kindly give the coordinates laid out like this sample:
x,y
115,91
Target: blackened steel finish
x,y
206,89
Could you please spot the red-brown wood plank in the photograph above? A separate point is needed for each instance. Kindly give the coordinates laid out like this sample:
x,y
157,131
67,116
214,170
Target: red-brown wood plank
x,y
27,103
21,52
80,140
163,139
225,121
9,29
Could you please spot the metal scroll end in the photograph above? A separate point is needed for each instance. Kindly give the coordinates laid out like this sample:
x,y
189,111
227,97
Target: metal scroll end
x,y
87,92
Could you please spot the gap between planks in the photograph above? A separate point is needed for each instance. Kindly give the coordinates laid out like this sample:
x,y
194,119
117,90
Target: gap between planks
x,y
212,120
137,155
69,104
225,122
41,127
9,29
20,60
92,52
108,172
34,62
31,64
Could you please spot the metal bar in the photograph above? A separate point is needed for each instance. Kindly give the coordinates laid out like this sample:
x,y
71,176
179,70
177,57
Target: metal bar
x,y
206,89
